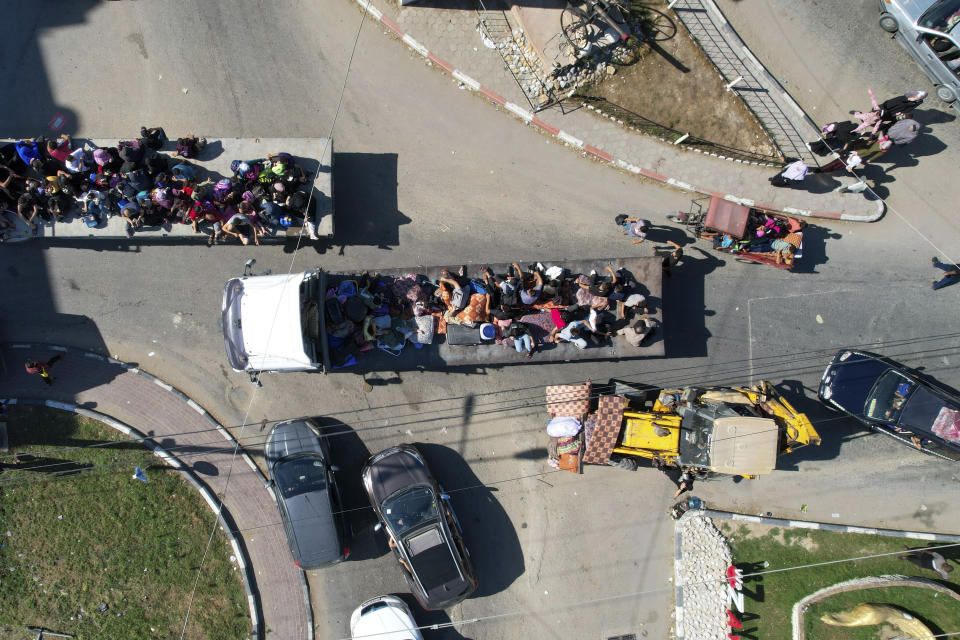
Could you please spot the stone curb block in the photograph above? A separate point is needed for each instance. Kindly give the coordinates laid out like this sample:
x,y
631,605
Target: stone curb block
x,y
837,528
594,151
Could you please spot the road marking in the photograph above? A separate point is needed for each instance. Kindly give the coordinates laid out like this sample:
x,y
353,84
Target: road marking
x,y
467,80
197,407
161,383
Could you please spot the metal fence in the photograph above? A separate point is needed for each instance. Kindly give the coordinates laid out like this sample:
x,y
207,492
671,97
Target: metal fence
x,y
680,138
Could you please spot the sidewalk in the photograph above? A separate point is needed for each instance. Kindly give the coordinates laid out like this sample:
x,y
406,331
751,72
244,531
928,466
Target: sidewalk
x,y
451,41
161,412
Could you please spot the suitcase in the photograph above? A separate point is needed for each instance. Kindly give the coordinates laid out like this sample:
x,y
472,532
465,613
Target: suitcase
x,y
463,336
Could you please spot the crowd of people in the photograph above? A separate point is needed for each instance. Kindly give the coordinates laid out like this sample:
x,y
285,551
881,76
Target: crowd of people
x,y
44,180
522,308
863,139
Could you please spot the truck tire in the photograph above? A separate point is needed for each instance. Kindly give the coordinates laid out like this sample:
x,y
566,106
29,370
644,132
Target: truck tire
x,y
888,23
630,464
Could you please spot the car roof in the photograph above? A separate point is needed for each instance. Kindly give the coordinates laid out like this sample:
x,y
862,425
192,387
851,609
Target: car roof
x,y
386,623
924,407
314,527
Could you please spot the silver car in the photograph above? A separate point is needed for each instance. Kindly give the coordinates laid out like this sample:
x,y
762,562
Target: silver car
x,y
927,30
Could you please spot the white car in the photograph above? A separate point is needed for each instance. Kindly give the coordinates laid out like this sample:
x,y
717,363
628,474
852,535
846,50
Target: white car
x,y
383,618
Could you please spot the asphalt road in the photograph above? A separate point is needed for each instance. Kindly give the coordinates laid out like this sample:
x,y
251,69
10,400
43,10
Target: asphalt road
x,y
428,174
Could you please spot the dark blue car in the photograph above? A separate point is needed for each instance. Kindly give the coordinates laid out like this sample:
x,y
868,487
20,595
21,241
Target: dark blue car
x,y
892,399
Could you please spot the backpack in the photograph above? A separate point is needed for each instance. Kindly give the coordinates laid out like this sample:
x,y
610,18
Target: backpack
x,y
459,299
510,298
130,150
156,164
298,202
91,220
154,140
187,147
222,188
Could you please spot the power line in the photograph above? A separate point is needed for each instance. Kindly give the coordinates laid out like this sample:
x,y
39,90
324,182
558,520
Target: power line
x,y
419,420
716,378
253,395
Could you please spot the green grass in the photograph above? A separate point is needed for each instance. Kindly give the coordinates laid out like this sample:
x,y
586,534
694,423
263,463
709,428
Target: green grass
x,y
96,536
771,596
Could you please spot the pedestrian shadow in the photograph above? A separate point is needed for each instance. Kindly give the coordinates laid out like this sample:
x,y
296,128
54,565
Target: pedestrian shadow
x,y
933,116
814,248
488,532
685,332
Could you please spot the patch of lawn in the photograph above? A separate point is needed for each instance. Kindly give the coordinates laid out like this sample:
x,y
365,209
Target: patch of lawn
x,y
79,532
771,597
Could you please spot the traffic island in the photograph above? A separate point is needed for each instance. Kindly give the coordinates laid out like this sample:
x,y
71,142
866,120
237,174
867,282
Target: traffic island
x,y
91,550
761,577
816,573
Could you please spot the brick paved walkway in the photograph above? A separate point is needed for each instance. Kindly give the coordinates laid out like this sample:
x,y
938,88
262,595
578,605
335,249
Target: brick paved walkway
x,y
155,409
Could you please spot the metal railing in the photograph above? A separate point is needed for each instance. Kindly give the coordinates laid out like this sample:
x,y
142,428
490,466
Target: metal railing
x,y
673,136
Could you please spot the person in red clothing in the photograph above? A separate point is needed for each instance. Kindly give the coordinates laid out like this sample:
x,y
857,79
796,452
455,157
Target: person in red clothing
x,y
41,369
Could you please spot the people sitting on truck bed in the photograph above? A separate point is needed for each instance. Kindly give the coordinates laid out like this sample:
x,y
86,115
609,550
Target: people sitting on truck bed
x,y
53,176
388,313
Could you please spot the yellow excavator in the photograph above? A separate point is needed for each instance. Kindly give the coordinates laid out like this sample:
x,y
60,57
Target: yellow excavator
x,y
737,431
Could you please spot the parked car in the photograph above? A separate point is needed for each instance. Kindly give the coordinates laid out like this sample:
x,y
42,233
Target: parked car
x,y
421,525
927,30
298,462
894,400
384,618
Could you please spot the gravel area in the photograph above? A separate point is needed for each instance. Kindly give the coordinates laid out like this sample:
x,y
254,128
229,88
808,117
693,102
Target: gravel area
x,y
701,577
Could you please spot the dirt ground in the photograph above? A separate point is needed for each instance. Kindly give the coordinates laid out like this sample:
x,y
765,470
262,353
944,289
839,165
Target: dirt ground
x,y
674,84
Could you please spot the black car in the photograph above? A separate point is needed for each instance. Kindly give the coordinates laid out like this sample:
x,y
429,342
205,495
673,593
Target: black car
x,y
298,461
894,400
421,525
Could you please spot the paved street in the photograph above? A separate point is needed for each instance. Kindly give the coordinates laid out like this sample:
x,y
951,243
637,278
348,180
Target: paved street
x,y
430,174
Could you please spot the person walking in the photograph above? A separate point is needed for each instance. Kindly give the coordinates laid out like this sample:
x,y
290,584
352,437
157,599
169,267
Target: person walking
x,y
42,369
685,482
951,273
926,559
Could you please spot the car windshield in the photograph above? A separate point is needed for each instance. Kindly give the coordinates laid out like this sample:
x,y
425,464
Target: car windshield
x,y
300,475
942,16
889,394
409,509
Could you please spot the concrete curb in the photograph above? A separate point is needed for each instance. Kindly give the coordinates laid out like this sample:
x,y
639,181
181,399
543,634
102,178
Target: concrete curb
x,y
248,576
781,522
837,528
569,140
187,473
